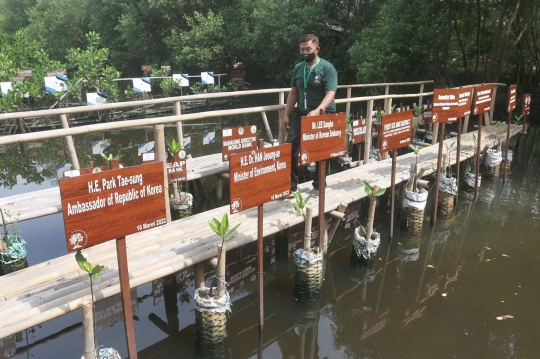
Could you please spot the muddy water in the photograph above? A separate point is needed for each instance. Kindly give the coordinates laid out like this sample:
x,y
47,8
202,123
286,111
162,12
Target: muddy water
x,y
438,295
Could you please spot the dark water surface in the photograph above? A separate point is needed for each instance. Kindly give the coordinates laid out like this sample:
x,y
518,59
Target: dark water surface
x,y
438,296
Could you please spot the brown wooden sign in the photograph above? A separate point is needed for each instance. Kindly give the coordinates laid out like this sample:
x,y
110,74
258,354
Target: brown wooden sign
x,y
396,130
146,67
359,130
512,97
166,67
445,105
427,115
526,104
464,102
482,99
238,140
25,73
322,137
259,176
111,204
57,73
176,167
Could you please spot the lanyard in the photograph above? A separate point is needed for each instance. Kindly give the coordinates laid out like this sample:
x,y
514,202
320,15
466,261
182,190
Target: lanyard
x,y
306,80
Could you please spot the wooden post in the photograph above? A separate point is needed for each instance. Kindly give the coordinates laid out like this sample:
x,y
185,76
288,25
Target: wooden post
x,y
507,145
125,289
438,175
435,133
420,98
199,275
88,329
267,126
392,193
322,190
371,214
477,164
281,133
386,92
260,273
494,96
458,157
221,287
367,145
161,155
335,222
179,129
70,144
307,228
465,124
348,106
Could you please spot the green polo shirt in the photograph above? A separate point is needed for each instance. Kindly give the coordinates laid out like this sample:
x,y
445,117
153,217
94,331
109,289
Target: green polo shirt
x,y
323,78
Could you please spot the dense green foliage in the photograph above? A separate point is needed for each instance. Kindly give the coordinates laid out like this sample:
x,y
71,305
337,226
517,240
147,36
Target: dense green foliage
x,y
450,41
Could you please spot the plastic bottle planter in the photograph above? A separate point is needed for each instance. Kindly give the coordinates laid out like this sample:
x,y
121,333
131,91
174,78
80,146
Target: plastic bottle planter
x,y
366,249
447,192
12,254
309,274
414,204
492,162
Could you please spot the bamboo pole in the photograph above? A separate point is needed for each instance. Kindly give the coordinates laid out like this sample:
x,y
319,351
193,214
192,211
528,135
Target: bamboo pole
x,y
307,228
367,144
88,329
221,287
348,106
70,144
267,126
161,155
179,129
371,215
199,275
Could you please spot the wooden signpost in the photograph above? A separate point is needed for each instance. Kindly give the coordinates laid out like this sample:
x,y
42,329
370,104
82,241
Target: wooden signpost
x,y
257,177
359,128
57,73
482,103
322,137
526,109
21,75
396,132
238,140
512,96
176,167
112,204
146,68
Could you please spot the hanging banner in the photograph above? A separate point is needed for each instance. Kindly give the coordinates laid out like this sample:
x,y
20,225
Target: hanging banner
x,y
259,176
187,142
358,131
142,85
98,207
176,167
209,138
482,99
5,87
512,97
96,98
322,137
55,83
207,78
526,104
237,140
145,147
181,79
396,131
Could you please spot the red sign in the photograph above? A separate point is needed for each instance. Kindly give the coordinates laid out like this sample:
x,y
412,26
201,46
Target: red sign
x,y
427,115
25,73
482,99
464,102
396,130
176,167
322,137
359,130
238,76
259,176
512,96
445,105
101,206
146,67
526,104
415,312
373,326
238,140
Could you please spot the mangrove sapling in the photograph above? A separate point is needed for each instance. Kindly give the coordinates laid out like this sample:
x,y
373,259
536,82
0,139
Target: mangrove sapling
x,y
173,148
518,119
366,247
93,275
449,157
300,205
414,173
418,110
221,228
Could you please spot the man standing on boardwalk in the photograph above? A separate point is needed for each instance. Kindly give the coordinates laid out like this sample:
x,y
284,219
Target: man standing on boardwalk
x,y
313,88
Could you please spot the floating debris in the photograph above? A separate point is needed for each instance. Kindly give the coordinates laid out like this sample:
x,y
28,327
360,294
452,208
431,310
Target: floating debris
x,y
487,248
444,294
506,255
488,260
504,317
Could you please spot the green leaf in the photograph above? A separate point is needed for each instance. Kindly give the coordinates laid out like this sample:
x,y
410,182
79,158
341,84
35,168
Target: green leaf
x,y
228,239
297,197
80,259
224,224
234,228
380,191
368,188
87,267
307,199
215,225
297,208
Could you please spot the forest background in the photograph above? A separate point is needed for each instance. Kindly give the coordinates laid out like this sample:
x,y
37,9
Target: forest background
x,y
452,42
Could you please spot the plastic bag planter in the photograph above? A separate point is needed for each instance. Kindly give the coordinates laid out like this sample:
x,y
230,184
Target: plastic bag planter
x,y
309,270
107,353
470,179
211,315
492,162
182,205
366,249
447,192
12,254
414,204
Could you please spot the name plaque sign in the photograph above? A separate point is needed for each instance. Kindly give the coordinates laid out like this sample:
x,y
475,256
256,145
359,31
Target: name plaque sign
x,y
322,137
106,205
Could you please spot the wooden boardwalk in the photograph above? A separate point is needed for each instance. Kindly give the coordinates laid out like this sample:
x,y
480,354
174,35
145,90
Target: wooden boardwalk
x,y
48,290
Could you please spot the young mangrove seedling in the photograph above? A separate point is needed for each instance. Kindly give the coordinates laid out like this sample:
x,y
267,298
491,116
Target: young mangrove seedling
x,y
221,228
449,157
93,274
373,193
518,119
174,147
110,157
300,205
418,110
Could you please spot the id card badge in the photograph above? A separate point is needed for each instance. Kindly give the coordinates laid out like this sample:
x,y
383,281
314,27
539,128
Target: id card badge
x,y
305,102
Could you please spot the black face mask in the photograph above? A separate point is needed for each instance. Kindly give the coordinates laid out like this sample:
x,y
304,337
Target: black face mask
x,y
308,57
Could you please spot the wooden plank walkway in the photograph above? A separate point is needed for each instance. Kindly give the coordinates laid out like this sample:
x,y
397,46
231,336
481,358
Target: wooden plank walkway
x,y
48,290
45,202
